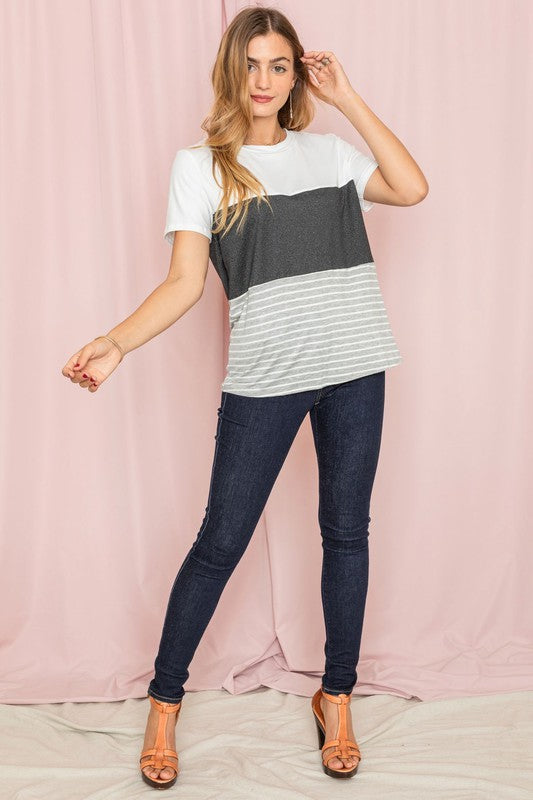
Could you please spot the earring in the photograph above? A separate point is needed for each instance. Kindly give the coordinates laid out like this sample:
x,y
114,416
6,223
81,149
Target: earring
x,y
290,104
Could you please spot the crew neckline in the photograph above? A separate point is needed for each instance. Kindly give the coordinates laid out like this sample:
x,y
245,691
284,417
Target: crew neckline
x,y
271,148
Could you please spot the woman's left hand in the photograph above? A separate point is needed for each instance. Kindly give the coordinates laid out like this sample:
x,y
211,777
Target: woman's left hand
x,y
328,82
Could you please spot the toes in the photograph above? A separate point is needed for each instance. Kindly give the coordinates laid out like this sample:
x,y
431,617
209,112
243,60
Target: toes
x,y
337,763
165,774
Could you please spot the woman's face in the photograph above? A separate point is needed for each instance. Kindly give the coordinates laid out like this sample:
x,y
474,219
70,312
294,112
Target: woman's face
x,y
270,73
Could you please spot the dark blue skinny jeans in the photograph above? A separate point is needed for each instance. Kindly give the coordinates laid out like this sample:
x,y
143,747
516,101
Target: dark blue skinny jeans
x,y
253,437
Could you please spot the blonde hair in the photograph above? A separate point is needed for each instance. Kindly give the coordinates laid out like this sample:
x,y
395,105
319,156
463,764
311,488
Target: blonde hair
x,y
230,117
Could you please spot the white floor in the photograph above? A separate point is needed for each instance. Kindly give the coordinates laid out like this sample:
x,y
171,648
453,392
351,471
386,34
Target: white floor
x,y
263,745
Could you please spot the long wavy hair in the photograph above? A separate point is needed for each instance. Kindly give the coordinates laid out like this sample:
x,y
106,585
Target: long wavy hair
x,y
230,117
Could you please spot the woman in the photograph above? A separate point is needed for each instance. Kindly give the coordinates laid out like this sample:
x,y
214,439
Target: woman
x,y
309,333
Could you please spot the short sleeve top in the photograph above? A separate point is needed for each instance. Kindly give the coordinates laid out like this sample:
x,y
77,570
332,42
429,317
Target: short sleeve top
x,y
305,305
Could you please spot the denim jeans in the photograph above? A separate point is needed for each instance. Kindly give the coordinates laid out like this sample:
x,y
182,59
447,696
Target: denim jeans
x,y
253,437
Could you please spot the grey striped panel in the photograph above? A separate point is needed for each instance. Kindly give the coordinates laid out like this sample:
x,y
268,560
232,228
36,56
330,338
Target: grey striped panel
x,y
306,331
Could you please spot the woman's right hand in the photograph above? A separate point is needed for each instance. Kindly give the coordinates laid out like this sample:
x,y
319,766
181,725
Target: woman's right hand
x,y
91,365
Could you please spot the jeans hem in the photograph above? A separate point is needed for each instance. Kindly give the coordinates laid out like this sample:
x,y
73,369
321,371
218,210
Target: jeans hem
x,y
165,699
336,691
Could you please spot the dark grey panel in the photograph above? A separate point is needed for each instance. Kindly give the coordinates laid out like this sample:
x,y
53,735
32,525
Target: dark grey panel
x,y
306,232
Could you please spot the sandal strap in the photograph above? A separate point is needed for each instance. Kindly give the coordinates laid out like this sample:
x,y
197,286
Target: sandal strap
x,y
164,708
337,754
166,752
160,756
161,764
159,759
340,699
342,749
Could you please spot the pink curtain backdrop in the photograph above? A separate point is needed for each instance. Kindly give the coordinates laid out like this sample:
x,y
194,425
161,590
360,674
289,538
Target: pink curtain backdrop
x,y
102,495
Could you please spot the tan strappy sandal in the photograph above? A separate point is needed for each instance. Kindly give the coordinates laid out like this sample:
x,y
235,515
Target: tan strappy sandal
x,y
160,756
344,747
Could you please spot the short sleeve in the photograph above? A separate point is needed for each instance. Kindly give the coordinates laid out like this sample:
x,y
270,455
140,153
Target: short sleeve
x,y
188,207
358,166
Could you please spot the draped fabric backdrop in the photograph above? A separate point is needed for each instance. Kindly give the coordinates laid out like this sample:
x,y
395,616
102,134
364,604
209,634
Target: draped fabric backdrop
x,y
102,495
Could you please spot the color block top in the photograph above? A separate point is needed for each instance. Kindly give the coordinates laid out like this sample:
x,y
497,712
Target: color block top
x,y
305,305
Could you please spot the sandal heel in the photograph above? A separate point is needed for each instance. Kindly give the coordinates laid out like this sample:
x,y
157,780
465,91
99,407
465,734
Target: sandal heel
x,y
321,734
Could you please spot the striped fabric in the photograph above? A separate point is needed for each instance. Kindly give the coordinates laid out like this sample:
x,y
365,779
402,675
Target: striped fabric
x,y
305,305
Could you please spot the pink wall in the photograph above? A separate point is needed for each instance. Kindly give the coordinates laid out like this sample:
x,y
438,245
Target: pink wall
x,y
102,495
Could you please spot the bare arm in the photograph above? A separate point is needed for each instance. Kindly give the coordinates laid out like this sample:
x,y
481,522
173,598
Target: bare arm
x,y
169,301
398,180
